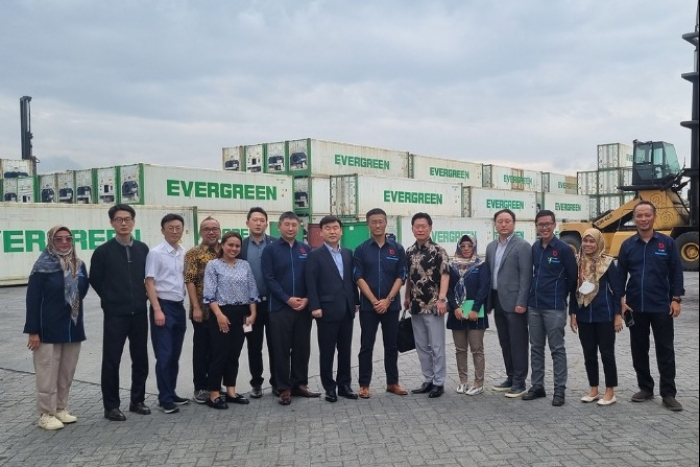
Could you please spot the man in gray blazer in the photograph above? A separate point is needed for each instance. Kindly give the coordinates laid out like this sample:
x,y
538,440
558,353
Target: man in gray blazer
x,y
510,260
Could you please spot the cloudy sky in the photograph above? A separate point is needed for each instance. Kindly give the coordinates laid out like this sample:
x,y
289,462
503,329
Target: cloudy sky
x,y
529,83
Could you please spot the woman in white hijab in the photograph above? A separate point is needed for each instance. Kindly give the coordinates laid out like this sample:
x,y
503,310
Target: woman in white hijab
x,y
57,285
596,314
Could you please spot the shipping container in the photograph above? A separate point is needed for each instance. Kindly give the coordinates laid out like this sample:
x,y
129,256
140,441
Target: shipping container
x,y
312,195
593,206
588,182
48,188
353,195
609,181
448,230
254,158
484,203
9,190
354,233
608,203
559,183
66,187
15,168
626,176
276,157
525,230
506,178
615,155
445,170
212,190
316,157
106,180
84,186
23,236
568,208
233,158
26,189
234,221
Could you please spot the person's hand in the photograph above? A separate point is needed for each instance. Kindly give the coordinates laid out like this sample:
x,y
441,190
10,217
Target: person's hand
x,y
473,316
380,306
317,313
675,310
250,320
573,323
459,314
625,307
304,304
159,317
406,303
520,309
223,322
197,314
618,323
33,342
441,308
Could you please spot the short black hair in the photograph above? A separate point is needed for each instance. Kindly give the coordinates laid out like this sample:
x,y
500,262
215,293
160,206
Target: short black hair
x,y
256,209
288,215
171,217
422,215
545,213
502,211
375,212
645,202
226,236
329,220
121,207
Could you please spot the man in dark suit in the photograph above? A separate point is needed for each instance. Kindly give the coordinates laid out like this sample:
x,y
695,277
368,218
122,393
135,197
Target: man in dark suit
x,y
333,299
510,260
251,251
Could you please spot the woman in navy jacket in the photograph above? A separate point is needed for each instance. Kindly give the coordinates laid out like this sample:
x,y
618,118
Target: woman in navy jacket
x,y
596,314
470,279
57,285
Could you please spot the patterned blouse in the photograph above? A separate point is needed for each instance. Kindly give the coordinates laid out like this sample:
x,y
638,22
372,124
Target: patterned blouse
x,y
196,260
229,285
425,265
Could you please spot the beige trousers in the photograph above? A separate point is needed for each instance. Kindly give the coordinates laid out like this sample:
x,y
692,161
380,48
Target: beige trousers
x,y
474,339
54,365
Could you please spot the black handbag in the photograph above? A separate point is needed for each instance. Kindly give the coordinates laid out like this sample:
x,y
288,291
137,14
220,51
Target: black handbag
x,y
405,340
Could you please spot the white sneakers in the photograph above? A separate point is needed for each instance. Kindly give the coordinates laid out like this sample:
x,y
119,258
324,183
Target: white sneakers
x,y
65,417
461,389
472,391
49,422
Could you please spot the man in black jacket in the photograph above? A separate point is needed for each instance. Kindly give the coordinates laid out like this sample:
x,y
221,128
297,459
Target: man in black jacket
x,y
117,273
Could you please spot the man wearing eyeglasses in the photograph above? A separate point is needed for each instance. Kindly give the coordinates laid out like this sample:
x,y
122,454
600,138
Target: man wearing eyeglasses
x,y
555,278
196,260
165,285
117,275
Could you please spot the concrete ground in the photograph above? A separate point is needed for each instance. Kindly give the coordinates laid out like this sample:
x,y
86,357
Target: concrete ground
x,y
386,430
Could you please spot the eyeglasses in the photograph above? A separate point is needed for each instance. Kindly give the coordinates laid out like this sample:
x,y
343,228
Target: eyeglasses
x,y
63,239
123,220
547,225
174,229
211,230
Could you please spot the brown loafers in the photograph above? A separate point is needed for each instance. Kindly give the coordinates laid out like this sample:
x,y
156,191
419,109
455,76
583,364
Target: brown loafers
x,y
303,391
285,397
396,389
364,392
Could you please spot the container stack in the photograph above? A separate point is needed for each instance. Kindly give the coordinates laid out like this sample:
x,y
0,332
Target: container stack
x,y
614,171
17,182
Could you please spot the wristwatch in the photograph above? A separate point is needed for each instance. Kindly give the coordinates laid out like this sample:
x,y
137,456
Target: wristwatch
x,y
676,299
442,300
391,299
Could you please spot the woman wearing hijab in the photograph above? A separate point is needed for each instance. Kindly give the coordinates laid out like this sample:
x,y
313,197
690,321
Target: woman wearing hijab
x,y
57,285
596,314
470,283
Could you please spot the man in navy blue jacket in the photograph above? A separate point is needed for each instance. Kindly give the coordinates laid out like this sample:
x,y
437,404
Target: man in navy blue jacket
x,y
653,292
283,266
554,279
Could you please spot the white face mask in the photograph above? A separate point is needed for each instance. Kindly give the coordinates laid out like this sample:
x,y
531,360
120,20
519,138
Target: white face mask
x,y
586,288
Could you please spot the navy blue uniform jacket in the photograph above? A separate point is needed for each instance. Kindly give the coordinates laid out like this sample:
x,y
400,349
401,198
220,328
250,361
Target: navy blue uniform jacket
x,y
478,285
555,275
379,267
336,296
606,303
283,268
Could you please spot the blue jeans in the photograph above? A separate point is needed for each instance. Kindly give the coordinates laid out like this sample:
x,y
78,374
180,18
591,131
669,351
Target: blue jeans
x,y
167,346
548,326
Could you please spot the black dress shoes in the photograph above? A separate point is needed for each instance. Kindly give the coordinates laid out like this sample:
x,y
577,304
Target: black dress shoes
x,y
423,389
237,399
115,415
219,403
347,392
331,396
276,392
139,408
437,392
256,392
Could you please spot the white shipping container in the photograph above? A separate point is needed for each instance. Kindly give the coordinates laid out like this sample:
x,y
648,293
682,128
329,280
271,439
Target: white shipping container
x,y
106,181
353,195
593,206
559,183
208,189
484,203
608,203
232,158
9,190
15,168
25,189
48,188
315,198
445,170
448,230
626,176
506,178
23,236
568,208
615,155
232,221
588,182
317,157
254,158
609,180
66,187
84,186
276,157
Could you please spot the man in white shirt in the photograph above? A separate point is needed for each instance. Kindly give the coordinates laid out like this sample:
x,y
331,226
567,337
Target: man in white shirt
x,y
165,286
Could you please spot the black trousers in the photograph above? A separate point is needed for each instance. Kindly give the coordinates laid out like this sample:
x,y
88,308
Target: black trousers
x,y
291,333
255,339
661,325
116,330
332,336
514,338
369,322
226,347
595,337
201,353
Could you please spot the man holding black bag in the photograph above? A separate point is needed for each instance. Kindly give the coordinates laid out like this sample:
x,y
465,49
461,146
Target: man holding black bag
x,y
379,271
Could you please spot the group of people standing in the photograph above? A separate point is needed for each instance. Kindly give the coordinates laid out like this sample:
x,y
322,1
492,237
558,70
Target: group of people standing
x,y
270,289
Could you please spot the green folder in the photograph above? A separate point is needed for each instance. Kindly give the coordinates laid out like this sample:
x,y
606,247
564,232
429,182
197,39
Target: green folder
x,y
467,307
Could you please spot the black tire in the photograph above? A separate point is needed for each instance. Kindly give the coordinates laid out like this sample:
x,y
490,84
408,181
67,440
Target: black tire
x,y
573,242
689,249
